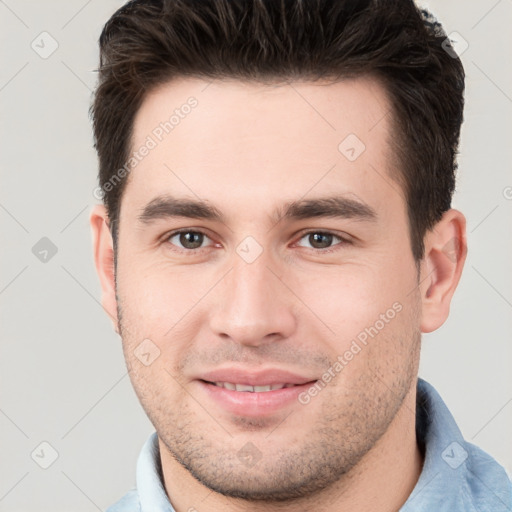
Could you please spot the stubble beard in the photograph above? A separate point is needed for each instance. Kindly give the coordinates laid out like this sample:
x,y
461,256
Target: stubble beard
x,y
343,434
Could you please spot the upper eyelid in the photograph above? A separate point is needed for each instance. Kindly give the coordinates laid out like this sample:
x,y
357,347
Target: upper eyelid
x,y
305,233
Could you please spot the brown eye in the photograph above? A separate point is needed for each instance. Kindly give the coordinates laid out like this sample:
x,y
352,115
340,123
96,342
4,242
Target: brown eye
x,y
187,239
322,240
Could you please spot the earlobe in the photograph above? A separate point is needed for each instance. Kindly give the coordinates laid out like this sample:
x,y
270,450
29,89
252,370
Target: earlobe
x,y
445,254
104,261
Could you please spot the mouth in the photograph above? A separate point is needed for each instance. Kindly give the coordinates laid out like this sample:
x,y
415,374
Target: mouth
x,y
250,394
251,389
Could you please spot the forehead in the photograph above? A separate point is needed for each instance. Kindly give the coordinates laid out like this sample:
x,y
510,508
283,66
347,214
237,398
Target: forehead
x,y
252,144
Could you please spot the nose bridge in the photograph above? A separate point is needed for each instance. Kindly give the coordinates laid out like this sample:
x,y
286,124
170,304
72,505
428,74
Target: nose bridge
x,y
252,302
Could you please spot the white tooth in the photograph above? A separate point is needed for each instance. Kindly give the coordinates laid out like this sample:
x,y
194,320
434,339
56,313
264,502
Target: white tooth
x,y
230,386
277,386
244,387
219,384
260,389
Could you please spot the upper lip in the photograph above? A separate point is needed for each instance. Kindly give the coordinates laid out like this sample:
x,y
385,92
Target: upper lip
x,y
254,378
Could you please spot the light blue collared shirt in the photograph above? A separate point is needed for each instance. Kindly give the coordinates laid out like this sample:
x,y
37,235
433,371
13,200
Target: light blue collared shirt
x,y
457,476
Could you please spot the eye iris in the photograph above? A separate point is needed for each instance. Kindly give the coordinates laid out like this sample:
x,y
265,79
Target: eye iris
x,y
191,239
324,239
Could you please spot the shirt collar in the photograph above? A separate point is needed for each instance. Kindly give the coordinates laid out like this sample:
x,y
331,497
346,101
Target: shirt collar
x,y
456,475
152,495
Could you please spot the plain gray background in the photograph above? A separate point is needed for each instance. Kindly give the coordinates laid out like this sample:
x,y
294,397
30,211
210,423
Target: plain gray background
x,y
63,377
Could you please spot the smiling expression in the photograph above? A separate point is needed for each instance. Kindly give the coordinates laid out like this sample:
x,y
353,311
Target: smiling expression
x,y
257,240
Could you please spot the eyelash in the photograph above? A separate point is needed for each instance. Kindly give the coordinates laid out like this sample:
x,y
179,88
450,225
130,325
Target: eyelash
x,y
335,247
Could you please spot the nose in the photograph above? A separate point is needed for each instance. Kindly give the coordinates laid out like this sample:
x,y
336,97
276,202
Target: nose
x,y
253,305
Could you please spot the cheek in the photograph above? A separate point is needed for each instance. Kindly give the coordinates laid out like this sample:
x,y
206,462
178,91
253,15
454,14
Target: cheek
x,y
160,304
157,297
156,332
349,299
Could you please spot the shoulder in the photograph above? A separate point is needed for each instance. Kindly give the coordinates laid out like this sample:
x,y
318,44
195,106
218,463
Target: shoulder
x,y
456,474
487,481
128,503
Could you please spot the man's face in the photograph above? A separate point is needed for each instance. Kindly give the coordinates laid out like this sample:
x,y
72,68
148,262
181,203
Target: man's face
x,y
261,295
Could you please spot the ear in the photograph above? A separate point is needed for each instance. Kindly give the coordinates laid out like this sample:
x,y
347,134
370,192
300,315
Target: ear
x,y
104,261
445,254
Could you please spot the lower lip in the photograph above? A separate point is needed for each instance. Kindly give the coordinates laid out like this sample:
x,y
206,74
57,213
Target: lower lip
x,y
253,404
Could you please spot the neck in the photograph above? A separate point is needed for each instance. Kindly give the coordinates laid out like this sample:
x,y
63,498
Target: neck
x,y
382,481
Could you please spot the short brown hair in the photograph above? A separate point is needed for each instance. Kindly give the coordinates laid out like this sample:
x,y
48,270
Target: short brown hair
x,y
147,43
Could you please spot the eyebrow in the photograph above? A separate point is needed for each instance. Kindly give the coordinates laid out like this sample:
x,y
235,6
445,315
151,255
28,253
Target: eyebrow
x,y
166,206
335,206
163,207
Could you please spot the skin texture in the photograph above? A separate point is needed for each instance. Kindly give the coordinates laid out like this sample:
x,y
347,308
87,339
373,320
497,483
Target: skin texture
x,y
248,149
